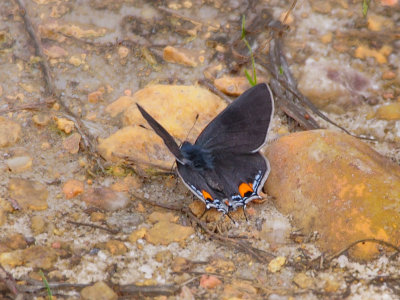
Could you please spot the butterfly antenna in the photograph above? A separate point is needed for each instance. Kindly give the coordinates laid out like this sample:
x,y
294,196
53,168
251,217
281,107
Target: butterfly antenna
x,y
172,167
229,216
244,213
190,130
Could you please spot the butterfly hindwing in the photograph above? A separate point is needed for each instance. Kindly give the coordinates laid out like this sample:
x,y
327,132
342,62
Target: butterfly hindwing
x,y
243,126
197,183
235,180
244,176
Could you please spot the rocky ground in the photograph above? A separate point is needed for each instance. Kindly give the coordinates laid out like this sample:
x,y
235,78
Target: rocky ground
x,y
89,207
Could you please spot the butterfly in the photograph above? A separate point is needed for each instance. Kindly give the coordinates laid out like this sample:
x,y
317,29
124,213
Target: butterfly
x,y
224,167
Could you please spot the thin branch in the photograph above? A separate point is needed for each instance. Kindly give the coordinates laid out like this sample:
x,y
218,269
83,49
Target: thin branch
x,y
113,231
289,11
149,290
180,16
371,240
216,91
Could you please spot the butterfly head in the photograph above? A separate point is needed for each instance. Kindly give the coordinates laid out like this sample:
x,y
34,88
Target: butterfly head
x,y
196,157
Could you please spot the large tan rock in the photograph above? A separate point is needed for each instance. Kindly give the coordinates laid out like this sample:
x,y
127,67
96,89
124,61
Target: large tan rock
x,y
337,185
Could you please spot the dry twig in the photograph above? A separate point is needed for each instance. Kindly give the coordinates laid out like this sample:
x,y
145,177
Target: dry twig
x,y
113,231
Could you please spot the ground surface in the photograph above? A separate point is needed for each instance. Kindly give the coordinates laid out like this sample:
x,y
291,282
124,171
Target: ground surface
x,y
99,51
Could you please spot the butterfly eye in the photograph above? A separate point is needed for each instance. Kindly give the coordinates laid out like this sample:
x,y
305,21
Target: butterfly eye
x,y
207,196
246,189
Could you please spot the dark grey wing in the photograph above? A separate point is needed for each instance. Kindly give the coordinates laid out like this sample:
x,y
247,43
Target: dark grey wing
x,y
243,175
243,126
235,179
200,185
162,133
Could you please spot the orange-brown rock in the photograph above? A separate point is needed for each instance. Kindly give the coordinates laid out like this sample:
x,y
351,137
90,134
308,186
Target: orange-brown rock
x,y
209,281
337,185
116,247
233,86
164,233
99,290
183,56
71,143
389,112
73,188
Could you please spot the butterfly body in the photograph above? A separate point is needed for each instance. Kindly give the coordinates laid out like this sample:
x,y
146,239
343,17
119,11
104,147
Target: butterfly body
x,y
224,167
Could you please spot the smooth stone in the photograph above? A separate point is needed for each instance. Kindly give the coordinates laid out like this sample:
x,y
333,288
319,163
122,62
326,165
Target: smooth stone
x,y
336,185
209,281
105,198
239,289
183,56
233,86
41,119
10,132
73,188
65,125
100,291
28,194
276,264
303,280
164,233
38,225
178,108
388,112
116,247
19,164
71,143
333,89
126,222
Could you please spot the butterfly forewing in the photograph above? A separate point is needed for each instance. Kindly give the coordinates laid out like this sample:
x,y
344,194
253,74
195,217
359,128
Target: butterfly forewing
x,y
243,126
167,138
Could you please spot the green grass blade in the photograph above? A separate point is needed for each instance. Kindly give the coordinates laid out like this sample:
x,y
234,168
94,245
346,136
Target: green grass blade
x,y
243,26
46,284
365,7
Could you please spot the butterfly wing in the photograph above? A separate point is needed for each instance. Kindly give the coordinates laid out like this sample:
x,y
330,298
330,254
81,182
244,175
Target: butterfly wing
x,y
236,180
243,175
243,126
167,138
200,185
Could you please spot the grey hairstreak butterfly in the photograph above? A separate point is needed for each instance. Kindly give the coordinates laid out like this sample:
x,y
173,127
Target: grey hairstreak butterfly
x,y
224,167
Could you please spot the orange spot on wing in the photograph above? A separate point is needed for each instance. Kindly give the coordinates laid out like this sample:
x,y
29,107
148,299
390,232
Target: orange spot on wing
x,y
245,188
206,195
